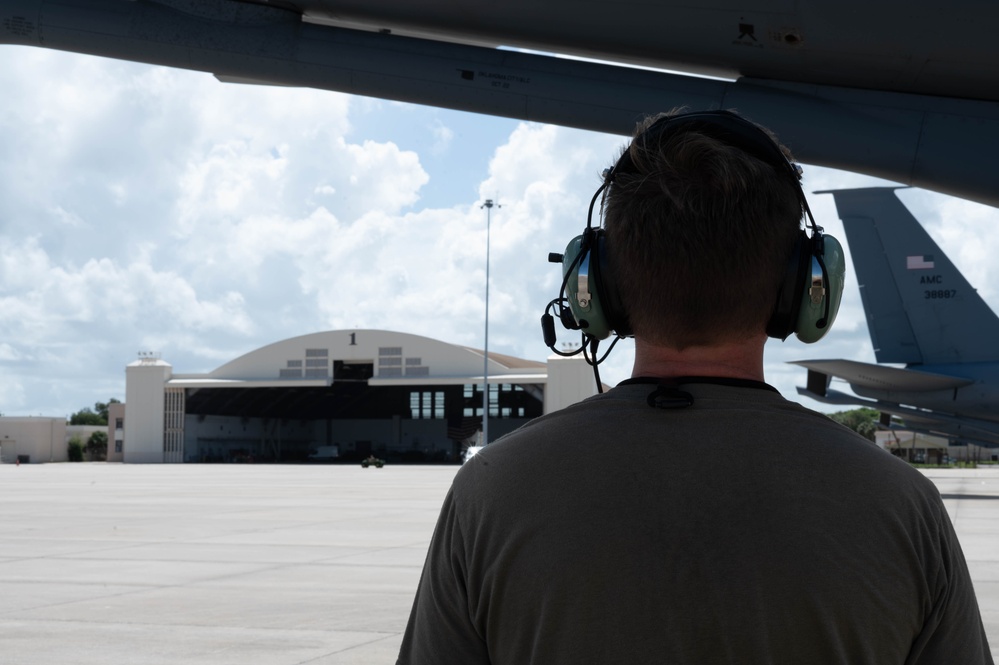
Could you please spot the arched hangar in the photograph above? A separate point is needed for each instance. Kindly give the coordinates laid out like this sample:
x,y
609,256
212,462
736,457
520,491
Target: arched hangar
x,y
348,393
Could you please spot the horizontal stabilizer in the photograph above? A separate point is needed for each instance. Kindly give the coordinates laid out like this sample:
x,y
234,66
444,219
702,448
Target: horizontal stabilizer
x,y
879,377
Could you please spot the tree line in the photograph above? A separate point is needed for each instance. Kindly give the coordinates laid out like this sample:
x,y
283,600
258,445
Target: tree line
x,y
863,421
96,416
96,446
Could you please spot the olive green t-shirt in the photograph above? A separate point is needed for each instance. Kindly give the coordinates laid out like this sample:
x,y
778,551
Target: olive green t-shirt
x,y
741,529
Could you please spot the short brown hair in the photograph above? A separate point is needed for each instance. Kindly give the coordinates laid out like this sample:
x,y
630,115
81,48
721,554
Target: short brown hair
x,y
699,235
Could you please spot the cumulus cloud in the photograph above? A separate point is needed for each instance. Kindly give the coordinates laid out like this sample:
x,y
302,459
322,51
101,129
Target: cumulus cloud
x,y
39,297
144,208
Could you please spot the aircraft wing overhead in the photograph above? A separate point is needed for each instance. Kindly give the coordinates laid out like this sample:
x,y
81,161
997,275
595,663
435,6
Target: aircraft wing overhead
x,y
920,108
884,378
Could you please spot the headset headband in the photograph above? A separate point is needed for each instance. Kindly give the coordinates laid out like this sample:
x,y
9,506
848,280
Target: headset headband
x,y
728,128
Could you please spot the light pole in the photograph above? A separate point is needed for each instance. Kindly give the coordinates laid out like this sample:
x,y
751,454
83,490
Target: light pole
x,y
488,205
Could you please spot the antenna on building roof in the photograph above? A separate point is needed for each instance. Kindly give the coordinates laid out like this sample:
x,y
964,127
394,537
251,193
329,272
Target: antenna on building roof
x,y
149,357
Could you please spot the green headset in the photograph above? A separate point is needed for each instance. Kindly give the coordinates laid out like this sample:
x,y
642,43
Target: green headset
x,y
806,303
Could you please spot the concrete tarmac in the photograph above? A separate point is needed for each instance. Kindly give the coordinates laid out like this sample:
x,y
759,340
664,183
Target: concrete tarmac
x,y
277,565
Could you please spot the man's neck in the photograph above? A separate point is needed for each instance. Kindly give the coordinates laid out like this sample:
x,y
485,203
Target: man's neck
x,y
736,360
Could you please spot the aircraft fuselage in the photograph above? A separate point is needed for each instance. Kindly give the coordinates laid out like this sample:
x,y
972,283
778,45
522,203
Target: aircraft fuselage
x,y
911,96
943,49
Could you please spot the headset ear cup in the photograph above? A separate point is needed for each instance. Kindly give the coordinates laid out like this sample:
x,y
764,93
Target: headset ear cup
x,y
583,300
817,314
594,303
784,319
606,287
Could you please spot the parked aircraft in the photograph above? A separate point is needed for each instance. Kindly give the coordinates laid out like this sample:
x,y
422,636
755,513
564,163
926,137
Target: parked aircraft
x,y
921,312
912,96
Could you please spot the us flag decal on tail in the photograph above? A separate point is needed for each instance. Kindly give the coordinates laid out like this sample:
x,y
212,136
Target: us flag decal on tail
x,y
923,262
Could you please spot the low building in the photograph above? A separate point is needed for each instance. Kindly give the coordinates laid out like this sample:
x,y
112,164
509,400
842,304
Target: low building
x,y
361,392
31,440
920,448
116,432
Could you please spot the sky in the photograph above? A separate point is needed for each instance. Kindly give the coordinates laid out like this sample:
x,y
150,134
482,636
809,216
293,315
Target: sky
x,y
151,209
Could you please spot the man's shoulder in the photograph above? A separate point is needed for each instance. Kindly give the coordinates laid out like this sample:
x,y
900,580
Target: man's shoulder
x,y
592,418
631,410
734,420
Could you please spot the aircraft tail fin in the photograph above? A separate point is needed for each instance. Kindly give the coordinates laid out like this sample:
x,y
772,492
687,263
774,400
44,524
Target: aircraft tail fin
x,y
920,309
